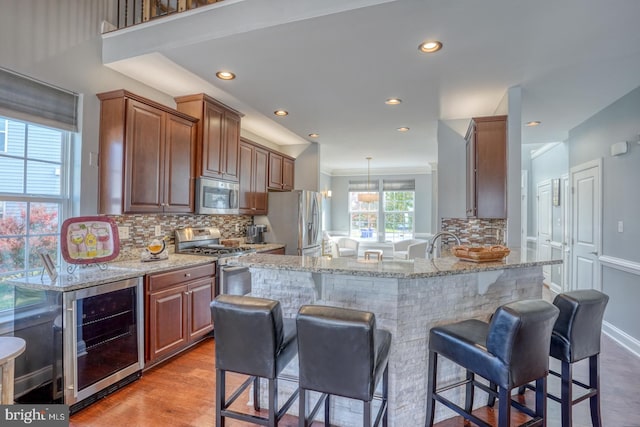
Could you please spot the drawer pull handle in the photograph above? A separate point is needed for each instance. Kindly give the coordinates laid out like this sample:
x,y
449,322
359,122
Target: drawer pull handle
x,y
187,274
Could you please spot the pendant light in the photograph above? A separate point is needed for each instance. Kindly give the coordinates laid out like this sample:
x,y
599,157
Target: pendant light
x,y
369,196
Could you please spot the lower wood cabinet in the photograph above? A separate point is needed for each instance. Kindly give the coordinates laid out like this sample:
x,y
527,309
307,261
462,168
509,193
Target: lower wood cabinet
x,y
177,312
279,251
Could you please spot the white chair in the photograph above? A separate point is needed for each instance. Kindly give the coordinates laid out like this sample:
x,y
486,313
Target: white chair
x,y
344,247
410,249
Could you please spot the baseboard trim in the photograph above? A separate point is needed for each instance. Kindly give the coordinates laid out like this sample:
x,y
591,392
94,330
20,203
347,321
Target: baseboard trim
x,y
622,338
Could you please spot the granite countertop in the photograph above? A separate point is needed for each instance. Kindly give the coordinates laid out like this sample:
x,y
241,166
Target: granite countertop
x,y
411,269
85,277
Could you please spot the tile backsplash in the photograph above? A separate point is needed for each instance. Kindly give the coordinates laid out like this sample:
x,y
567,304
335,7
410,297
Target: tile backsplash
x,y
141,228
476,231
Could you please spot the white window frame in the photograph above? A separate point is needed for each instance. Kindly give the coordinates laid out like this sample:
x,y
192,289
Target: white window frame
x,y
409,234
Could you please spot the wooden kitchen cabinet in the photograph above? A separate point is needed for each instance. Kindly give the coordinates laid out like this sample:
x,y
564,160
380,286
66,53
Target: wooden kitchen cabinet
x,y
486,154
146,156
177,312
253,178
218,136
279,251
281,172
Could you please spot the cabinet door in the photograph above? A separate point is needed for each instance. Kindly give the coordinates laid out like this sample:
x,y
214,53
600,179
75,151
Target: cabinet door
x,y
261,169
200,293
491,169
178,166
231,146
167,321
212,141
246,178
287,173
275,171
144,158
471,174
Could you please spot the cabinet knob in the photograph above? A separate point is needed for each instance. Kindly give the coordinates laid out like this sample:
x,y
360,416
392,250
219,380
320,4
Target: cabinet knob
x,y
187,274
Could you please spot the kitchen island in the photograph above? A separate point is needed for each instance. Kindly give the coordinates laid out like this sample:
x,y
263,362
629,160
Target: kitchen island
x,y
408,298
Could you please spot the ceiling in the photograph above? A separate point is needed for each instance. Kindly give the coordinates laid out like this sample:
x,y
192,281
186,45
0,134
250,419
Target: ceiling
x,y
332,64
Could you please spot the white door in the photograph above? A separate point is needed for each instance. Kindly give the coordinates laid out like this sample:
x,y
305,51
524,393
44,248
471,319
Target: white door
x,y
544,225
524,192
566,233
586,225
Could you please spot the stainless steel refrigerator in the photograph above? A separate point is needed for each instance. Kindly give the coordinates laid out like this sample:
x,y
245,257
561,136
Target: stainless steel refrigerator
x,y
294,219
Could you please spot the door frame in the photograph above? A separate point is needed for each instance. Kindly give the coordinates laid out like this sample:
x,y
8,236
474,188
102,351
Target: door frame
x,y
597,280
546,270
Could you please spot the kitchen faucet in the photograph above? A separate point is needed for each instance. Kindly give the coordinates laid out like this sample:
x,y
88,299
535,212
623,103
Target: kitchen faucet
x,y
432,242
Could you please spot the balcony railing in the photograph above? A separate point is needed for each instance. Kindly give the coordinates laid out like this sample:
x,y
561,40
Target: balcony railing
x,y
132,12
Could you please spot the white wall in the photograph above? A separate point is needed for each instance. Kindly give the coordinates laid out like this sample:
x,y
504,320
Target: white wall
x,y
59,43
452,185
307,173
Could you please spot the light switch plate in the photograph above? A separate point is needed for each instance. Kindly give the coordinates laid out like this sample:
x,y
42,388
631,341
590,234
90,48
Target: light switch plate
x,y
620,226
123,232
158,230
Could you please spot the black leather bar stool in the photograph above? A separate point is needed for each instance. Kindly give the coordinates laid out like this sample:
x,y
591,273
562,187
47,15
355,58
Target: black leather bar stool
x,y
341,353
253,339
576,336
510,351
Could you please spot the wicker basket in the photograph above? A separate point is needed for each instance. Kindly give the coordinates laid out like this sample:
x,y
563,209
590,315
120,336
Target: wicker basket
x,y
481,253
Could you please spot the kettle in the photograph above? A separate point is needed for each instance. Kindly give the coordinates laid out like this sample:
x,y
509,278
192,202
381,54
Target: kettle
x,y
255,233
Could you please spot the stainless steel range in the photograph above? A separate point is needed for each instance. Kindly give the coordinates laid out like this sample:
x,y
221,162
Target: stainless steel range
x,y
205,241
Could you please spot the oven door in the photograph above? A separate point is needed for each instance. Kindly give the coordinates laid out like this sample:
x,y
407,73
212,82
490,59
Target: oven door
x,y
234,280
103,338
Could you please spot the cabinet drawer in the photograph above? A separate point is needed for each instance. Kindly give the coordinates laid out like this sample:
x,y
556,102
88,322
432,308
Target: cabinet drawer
x,y
171,278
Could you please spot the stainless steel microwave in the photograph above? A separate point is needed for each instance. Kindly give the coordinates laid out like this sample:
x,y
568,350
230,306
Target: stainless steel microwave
x,y
216,197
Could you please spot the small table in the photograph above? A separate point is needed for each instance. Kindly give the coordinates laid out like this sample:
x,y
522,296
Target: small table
x,y
373,254
10,348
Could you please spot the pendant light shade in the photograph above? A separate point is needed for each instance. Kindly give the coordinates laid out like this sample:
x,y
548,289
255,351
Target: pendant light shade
x,y
368,197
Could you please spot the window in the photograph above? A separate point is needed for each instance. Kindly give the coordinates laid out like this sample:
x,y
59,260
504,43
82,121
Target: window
x,y
363,223
3,135
33,195
399,204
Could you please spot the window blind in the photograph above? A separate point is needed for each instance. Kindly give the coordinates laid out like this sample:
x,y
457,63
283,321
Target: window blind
x,y
24,98
363,185
399,185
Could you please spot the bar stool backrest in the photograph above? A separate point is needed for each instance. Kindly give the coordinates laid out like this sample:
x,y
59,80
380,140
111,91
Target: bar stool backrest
x,y
519,335
336,351
576,334
248,333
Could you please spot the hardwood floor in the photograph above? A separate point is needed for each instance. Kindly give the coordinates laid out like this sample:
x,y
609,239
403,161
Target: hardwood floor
x,y
180,393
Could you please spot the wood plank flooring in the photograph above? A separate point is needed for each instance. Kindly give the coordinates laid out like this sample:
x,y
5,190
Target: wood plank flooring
x,y
180,393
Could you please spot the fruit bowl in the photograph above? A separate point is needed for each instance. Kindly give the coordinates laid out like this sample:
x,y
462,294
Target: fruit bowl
x,y
481,253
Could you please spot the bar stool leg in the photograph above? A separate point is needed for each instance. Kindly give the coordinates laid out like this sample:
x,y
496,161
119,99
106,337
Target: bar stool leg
x,y
366,416
327,412
491,400
504,410
302,411
273,402
566,394
469,392
594,383
385,395
541,399
431,387
256,393
220,400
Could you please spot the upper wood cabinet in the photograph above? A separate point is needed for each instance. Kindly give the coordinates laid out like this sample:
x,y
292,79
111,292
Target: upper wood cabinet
x,y
486,154
253,178
281,172
218,136
147,155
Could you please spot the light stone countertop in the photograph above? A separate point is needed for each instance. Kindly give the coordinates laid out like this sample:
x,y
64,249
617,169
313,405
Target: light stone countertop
x,y
411,269
85,277
91,275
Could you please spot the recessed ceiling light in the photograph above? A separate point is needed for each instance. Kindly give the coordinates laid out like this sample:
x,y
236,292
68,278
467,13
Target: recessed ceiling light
x,y
313,135
393,101
403,129
281,113
430,46
533,123
225,75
